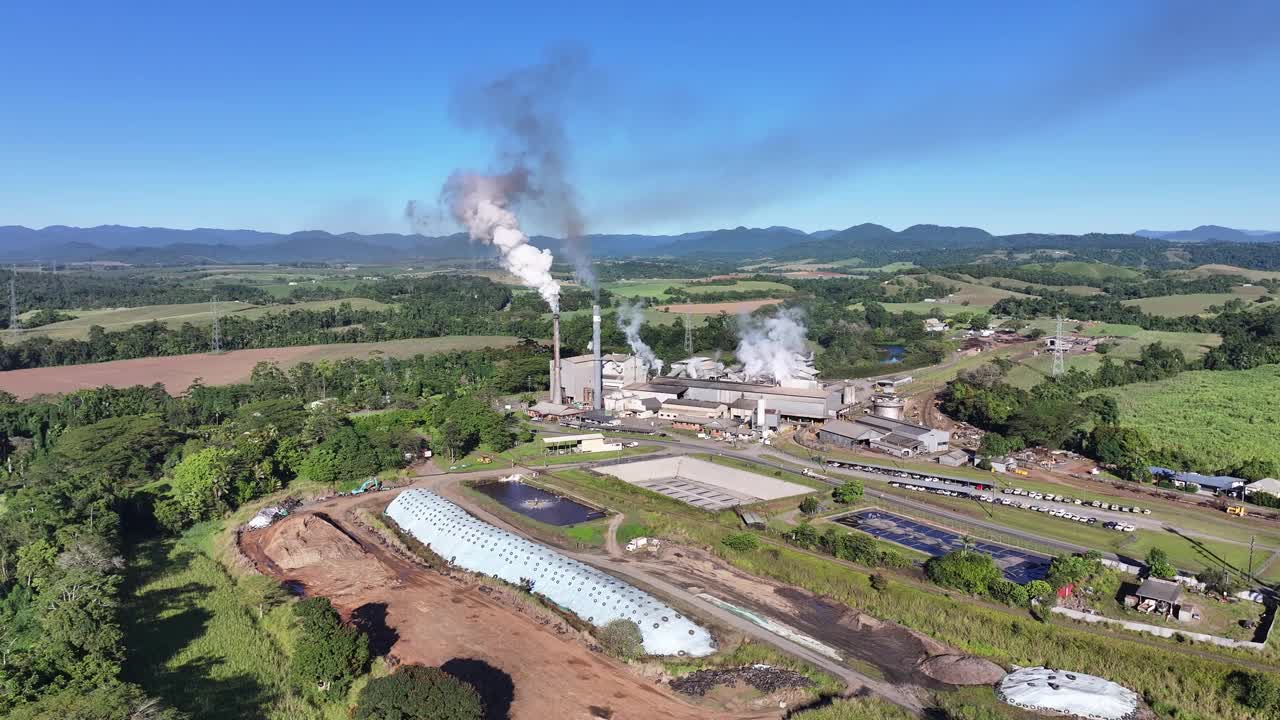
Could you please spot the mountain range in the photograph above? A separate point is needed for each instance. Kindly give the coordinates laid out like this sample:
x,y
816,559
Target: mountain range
x,y
1211,233
148,245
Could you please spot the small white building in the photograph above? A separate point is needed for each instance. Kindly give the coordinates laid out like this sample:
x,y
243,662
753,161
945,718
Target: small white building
x,y
934,325
1270,486
587,443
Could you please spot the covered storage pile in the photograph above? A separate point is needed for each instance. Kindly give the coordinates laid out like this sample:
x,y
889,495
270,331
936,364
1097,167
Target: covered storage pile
x,y
1086,696
590,594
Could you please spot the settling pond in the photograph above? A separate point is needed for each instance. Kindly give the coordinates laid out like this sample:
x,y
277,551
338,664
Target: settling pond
x,y
890,354
539,504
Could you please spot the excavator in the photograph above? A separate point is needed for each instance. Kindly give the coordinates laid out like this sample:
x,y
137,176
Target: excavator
x,y
369,485
1237,510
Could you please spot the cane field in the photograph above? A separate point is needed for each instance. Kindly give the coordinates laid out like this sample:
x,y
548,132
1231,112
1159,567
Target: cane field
x,y
1218,418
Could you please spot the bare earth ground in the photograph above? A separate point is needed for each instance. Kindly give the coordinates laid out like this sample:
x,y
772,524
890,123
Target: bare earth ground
x,y
733,308
177,372
426,617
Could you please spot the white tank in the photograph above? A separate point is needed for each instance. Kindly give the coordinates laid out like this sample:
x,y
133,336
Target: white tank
x,y
887,406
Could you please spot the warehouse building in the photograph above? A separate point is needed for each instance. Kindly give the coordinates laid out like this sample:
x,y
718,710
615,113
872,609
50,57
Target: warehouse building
x,y
592,595
896,437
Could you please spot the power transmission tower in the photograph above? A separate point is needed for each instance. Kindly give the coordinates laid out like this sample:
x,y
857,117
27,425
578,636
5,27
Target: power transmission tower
x,y
688,333
1059,351
13,301
217,327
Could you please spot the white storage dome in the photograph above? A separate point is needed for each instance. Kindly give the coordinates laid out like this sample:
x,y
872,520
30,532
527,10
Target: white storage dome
x,y
1075,694
592,595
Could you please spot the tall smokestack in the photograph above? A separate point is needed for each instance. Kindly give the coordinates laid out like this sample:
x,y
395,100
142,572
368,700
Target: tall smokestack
x,y
555,358
597,372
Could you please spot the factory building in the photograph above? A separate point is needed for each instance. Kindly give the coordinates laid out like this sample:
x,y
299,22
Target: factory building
x,y
578,379
702,409
592,595
797,404
895,437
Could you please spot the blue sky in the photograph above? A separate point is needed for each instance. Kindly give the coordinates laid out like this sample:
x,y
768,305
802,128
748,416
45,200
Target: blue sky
x,y
277,116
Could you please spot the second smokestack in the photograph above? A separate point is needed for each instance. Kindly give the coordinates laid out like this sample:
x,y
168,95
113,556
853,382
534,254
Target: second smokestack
x,y
555,359
597,366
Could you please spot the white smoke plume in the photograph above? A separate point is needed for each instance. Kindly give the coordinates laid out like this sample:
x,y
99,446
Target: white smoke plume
x,y
482,204
630,318
772,347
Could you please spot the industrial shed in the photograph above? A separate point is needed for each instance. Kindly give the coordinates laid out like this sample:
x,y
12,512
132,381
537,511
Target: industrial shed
x,y
590,594
894,436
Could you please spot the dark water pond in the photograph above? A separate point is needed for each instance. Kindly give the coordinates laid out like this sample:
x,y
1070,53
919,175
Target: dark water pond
x,y
539,504
890,354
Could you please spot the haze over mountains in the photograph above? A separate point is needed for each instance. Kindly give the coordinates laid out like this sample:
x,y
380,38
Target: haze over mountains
x,y
146,245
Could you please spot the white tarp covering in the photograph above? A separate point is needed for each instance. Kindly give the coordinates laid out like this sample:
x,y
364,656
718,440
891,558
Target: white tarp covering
x,y
1074,694
590,594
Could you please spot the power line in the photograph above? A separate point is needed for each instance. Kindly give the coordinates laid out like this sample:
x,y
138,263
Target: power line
x,y
13,302
217,327
1059,351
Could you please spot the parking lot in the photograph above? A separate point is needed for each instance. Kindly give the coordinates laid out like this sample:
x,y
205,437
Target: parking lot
x,y
1020,566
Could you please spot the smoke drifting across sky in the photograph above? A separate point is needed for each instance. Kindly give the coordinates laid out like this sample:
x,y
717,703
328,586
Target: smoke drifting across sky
x,y
1145,47
525,110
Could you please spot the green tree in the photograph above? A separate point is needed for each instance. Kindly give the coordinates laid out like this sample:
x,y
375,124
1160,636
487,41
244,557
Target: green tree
x,y
1039,590
809,505
970,571
622,639
1158,564
329,654
1221,580
1255,690
804,535
415,691
200,486
849,491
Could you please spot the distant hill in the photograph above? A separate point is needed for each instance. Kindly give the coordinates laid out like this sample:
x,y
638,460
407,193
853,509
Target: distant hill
x,y
162,246
1212,233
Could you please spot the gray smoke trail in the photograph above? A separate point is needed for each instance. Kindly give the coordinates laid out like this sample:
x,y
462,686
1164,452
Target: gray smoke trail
x,y
481,204
630,318
525,110
773,346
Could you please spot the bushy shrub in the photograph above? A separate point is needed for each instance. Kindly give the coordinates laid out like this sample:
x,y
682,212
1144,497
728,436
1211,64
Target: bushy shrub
x,y
621,639
742,542
415,691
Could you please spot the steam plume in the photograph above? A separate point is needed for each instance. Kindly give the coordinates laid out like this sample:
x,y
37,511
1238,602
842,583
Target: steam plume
x,y
772,346
481,204
630,318
525,110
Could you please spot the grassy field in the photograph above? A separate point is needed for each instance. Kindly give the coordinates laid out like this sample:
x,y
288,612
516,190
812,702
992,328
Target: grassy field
x,y
123,318
1221,418
1195,304
1087,270
1255,275
199,314
283,289
1130,339
204,641
659,288
854,265
1034,289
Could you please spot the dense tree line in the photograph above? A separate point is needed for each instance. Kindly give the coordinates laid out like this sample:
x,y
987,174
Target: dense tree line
x,y
426,307
107,289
